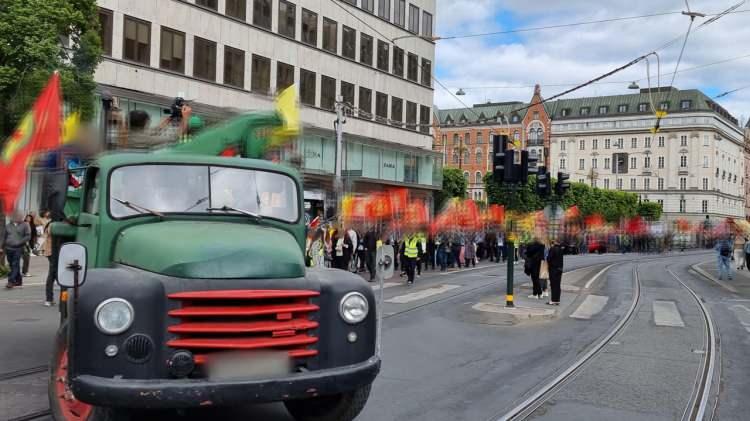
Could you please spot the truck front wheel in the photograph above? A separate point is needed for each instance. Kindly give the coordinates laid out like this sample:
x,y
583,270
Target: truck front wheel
x,y
342,407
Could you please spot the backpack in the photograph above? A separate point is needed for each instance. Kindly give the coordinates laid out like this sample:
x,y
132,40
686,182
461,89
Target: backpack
x,y
725,250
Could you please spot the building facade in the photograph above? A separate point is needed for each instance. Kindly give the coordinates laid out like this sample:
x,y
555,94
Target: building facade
x,y
230,56
694,165
747,170
464,136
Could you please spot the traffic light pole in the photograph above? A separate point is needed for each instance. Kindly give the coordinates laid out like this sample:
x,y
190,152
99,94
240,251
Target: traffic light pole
x,y
511,251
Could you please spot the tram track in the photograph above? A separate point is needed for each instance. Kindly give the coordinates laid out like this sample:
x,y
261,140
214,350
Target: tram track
x,y
17,374
697,407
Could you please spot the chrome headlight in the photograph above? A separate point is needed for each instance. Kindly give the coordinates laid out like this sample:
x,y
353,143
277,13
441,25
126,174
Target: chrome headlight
x,y
353,308
114,316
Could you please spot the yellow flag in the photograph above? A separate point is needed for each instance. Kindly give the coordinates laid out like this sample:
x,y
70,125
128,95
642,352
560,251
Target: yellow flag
x,y
286,106
70,128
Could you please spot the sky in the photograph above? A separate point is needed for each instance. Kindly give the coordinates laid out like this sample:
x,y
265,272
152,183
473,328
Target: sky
x,y
578,54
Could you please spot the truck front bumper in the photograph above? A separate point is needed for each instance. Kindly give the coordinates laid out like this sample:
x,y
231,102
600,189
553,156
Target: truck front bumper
x,y
189,393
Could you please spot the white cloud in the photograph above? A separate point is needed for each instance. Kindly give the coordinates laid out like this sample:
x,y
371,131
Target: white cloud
x,y
580,53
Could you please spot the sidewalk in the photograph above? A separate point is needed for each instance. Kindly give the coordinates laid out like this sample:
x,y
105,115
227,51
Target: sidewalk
x,y
33,286
740,283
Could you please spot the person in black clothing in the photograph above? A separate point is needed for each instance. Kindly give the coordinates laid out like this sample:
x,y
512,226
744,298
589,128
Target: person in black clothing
x,y
555,264
371,244
430,256
534,253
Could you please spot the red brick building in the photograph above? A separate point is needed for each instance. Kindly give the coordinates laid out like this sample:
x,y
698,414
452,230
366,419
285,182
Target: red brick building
x,y
464,136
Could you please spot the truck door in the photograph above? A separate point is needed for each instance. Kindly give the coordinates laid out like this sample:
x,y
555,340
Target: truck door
x,y
88,219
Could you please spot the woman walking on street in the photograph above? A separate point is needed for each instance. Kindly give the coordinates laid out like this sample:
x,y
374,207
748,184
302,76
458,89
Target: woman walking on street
x,y
49,252
555,267
29,246
534,255
470,253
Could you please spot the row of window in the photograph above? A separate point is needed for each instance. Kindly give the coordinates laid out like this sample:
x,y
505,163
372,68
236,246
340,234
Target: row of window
x,y
465,158
643,107
477,178
634,162
137,44
399,14
479,138
646,183
634,143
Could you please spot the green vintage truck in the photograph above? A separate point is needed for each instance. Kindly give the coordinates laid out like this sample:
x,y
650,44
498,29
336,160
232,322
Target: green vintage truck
x,y
185,287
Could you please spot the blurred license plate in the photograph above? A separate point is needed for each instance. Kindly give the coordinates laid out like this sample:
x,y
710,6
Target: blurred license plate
x,y
249,365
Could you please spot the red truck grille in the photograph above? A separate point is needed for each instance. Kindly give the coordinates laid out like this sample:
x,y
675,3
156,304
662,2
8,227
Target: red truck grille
x,y
229,320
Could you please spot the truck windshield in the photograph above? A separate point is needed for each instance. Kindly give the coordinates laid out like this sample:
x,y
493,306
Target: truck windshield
x,y
167,188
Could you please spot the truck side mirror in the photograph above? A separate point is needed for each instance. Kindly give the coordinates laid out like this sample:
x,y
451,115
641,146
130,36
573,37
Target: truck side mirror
x,y
384,261
71,265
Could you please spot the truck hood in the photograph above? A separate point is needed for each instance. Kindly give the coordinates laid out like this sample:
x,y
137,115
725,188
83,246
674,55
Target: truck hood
x,y
209,250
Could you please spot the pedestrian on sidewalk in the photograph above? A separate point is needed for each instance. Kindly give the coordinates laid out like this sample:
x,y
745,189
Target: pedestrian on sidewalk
x,y
411,250
29,246
17,235
470,253
746,248
50,251
739,252
555,267
534,253
724,255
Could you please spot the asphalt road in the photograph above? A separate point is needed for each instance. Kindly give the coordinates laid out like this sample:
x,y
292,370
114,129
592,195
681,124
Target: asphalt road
x,y
444,360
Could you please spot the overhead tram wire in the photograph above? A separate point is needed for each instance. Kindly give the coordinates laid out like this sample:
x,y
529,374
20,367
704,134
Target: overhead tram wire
x,y
723,94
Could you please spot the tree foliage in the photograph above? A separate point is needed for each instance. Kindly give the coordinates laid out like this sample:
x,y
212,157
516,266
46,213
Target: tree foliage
x,y
521,198
650,211
454,185
34,38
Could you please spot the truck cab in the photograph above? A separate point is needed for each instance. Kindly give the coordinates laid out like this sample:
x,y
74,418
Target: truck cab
x,y
193,292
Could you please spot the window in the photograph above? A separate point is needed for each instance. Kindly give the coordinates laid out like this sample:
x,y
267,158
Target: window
x,y
594,163
683,140
593,183
284,76
563,144
606,163
330,35
515,119
349,42
661,141
581,180
383,51
413,19
466,176
705,161
606,183
661,203
456,139
664,106
479,138
634,143
368,5
619,144
287,19
384,9
705,140
411,115
685,104
204,59
584,111
172,54
347,95
682,205
327,92
705,184
683,183
647,143
234,67
603,109
137,44
633,162
683,161
424,119
647,162
660,162
426,24
467,138
478,177
381,107
643,107
581,144
479,156
581,164
412,71
562,164
399,13
365,103
105,30
211,4
622,108
633,184
306,87
607,143
365,49
236,9
619,184
262,13
646,184
398,62
595,144
565,112
309,27
704,206
455,156
516,136
397,111
426,72
261,76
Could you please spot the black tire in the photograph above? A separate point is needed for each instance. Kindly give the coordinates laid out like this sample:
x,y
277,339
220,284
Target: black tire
x,y
342,407
58,412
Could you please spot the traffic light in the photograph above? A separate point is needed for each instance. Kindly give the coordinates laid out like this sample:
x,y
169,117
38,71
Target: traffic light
x,y
562,183
543,183
499,161
529,165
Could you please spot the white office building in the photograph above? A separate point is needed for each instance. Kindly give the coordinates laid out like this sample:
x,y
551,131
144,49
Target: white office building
x,y
228,56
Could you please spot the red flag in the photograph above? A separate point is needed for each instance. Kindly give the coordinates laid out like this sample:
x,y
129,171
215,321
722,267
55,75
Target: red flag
x,y
38,131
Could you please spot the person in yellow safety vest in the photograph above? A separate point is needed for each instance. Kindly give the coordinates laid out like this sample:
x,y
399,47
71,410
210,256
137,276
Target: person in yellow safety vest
x,y
411,251
421,253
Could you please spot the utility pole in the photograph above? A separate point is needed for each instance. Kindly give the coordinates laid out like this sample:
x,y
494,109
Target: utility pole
x,y
339,124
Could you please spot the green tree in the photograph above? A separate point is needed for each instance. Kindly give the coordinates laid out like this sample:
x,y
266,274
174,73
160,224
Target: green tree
x,y
649,211
454,185
521,198
38,37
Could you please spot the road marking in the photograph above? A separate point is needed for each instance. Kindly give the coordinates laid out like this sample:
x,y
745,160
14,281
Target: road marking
x,y
590,307
385,285
743,315
667,314
592,280
420,295
710,277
